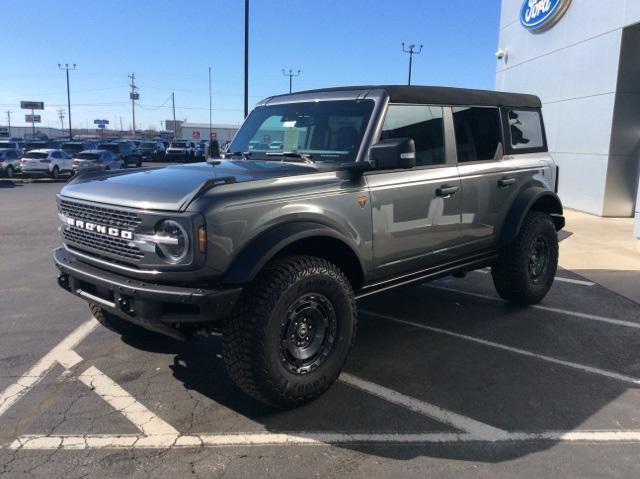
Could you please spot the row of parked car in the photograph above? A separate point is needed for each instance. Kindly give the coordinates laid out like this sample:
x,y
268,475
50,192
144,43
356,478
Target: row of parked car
x,y
45,157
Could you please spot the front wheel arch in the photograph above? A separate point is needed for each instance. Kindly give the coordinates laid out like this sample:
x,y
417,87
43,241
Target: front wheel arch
x,y
302,238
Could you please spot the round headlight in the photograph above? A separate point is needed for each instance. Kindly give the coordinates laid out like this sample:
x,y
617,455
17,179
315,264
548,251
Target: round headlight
x,y
172,241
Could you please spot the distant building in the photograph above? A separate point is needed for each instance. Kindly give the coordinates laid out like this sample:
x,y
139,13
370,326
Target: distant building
x,y
200,131
582,59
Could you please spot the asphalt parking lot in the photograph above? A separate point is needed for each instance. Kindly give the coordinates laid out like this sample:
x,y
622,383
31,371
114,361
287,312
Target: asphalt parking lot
x,y
445,380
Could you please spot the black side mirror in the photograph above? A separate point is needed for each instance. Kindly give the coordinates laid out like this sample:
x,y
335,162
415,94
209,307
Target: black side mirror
x,y
393,153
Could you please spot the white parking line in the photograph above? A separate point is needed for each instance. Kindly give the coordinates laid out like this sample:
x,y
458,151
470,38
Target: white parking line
x,y
576,314
557,278
511,349
462,423
146,421
61,353
36,442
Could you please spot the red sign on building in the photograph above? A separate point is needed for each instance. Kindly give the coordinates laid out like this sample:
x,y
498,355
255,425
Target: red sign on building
x,y
196,135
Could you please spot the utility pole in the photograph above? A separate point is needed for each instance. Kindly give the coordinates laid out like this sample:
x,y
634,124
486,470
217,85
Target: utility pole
x,y
246,58
68,67
411,51
290,75
210,107
9,120
173,106
121,125
134,96
61,113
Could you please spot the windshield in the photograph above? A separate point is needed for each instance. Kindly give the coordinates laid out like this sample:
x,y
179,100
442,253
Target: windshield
x,y
147,145
325,131
36,154
73,147
4,144
114,147
178,145
87,156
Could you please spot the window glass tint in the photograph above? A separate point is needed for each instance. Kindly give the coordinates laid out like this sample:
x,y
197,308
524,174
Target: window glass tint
x,y
422,123
478,135
525,129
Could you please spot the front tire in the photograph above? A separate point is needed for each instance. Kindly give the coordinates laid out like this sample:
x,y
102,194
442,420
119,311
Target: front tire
x,y
292,331
55,173
526,268
9,172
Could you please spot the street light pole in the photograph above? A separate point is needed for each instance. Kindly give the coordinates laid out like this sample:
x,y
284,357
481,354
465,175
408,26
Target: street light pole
x,y
246,58
411,51
210,106
68,67
290,75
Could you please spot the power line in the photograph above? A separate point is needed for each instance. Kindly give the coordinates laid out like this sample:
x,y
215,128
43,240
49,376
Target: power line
x,y
290,75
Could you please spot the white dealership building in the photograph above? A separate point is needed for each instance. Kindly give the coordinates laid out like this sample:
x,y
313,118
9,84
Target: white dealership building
x,y
582,57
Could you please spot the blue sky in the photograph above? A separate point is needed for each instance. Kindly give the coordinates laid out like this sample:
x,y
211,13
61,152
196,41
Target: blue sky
x,y
170,44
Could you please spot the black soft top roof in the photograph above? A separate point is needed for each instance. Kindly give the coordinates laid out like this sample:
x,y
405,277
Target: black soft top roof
x,y
438,95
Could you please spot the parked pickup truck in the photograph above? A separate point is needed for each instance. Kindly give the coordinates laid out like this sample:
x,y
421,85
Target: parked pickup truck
x,y
372,188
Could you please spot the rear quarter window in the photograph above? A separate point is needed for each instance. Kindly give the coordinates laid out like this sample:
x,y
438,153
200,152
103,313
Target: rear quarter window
x,y
524,130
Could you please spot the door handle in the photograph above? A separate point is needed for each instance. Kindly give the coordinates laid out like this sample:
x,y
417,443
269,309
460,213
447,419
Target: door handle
x,y
446,191
506,182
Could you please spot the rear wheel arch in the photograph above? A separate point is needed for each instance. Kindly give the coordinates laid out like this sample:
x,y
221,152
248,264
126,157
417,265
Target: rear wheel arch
x,y
532,199
300,238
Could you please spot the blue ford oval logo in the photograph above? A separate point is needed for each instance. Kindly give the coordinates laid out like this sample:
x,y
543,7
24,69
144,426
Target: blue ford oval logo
x,y
539,15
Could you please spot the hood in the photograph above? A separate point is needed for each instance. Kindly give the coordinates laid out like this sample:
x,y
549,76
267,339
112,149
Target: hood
x,y
169,187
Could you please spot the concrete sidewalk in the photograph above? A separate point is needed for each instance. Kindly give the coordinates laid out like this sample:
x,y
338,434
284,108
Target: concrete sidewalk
x,y
603,250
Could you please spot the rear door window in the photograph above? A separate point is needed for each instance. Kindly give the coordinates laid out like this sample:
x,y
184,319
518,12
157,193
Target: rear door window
x,y
478,135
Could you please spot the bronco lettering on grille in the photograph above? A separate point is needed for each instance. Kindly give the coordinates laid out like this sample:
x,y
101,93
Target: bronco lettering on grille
x,y
105,230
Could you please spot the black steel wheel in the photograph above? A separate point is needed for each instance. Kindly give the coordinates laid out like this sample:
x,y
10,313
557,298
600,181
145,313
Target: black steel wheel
x,y
308,333
525,269
291,332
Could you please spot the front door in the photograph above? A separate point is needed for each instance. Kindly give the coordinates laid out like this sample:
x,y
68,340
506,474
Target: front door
x,y
416,212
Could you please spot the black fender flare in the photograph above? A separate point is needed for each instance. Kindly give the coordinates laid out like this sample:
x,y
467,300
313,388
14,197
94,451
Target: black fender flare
x,y
535,198
267,245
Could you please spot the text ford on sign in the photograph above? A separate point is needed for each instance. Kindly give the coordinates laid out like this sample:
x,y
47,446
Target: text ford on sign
x,y
539,15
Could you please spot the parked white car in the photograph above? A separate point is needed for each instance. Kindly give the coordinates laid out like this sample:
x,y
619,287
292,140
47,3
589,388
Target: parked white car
x,y
46,161
9,161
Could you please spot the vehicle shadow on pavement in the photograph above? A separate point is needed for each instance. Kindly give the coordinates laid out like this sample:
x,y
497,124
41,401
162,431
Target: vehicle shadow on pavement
x,y
509,390
4,183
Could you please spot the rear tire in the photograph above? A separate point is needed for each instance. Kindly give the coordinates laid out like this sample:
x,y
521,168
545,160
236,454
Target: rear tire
x,y
291,333
525,270
116,324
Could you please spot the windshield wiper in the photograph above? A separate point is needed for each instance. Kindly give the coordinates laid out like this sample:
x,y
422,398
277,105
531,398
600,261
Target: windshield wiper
x,y
306,158
245,155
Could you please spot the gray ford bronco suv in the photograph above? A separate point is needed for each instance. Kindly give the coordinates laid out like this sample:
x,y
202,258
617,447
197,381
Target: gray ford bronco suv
x,y
322,198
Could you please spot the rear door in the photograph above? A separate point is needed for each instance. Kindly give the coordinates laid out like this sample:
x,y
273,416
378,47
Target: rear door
x,y
490,180
416,212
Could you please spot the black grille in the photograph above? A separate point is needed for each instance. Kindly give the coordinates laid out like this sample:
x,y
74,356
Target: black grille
x,y
123,220
99,215
101,242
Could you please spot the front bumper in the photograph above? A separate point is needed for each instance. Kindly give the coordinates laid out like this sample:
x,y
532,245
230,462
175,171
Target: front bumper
x,y
153,306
